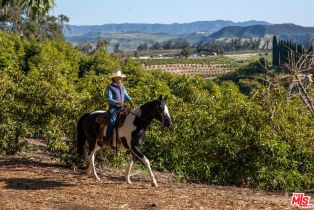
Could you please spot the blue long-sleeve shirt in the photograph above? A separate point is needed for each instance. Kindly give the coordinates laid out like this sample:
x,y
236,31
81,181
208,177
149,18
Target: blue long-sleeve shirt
x,y
113,97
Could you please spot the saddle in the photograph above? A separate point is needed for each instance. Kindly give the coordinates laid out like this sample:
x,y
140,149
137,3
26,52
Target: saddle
x,y
101,119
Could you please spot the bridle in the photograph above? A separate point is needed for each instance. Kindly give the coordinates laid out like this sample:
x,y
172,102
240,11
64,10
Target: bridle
x,y
163,117
162,114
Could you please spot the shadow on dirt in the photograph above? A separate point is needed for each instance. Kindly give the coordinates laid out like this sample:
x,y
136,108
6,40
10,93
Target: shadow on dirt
x,y
122,179
32,183
13,162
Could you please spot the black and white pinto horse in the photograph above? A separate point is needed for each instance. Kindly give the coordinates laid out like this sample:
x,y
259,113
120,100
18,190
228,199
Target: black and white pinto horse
x,y
131,133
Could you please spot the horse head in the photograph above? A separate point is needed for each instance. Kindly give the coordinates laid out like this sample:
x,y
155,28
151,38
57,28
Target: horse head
x,y
162,112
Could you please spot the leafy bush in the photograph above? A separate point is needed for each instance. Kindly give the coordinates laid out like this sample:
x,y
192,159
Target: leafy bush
x,y
219,135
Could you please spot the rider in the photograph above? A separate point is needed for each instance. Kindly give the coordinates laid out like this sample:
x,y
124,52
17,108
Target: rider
x,y
116,95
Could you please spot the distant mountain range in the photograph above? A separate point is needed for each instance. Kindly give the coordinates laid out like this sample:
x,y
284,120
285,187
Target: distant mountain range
x,y
130,35
173,29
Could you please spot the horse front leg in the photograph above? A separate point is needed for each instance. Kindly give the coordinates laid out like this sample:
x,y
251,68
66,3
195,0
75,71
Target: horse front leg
x,y
128,171
137,152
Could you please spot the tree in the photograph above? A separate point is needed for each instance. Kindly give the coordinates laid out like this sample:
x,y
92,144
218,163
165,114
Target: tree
x,y
275,52
167,45
85,47
102,44
38,8
156,46
29,18
186,50
116,48
308,41
50,27
136,54
6,5
142,47
302,77
11,12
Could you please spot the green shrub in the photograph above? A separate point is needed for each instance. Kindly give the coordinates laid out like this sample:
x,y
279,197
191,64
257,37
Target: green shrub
x,y
219,135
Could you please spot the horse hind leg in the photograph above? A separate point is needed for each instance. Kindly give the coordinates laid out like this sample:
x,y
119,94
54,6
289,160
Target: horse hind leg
x,y
136,151
91,147
89,168
91,163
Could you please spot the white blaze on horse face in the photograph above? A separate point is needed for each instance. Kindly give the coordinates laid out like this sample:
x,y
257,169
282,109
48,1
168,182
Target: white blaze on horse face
x,y
166,111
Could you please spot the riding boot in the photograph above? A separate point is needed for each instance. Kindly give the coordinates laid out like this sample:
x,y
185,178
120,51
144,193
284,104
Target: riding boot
x,y
107,141
100,140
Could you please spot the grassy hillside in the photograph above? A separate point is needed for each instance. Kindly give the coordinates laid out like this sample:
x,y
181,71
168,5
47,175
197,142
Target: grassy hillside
x,y
127,41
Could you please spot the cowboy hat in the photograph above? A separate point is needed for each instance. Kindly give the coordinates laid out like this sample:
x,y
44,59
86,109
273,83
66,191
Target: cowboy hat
x,y
117,74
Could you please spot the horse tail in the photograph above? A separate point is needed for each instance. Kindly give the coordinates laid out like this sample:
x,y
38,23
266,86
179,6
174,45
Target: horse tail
x,y
81,137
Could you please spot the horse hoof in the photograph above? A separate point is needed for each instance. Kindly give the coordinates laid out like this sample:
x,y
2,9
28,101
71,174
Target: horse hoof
x,y
154,184
127,179
97,178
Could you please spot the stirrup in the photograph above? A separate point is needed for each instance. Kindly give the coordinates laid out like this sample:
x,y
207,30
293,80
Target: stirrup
x,y
100,142
108,143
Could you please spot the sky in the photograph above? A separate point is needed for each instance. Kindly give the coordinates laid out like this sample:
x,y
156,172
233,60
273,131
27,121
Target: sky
x,y
98,12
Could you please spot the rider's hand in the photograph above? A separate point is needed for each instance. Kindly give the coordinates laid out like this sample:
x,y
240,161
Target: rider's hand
x,y
120,103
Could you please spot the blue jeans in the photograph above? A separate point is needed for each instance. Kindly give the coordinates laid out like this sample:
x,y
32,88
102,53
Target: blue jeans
x,y
112,118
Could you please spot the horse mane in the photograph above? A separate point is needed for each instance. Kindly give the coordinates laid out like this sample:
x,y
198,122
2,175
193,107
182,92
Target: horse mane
x,y
146,114
148,107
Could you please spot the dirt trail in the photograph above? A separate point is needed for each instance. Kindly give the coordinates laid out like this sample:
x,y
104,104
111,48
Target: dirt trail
x,y
33,181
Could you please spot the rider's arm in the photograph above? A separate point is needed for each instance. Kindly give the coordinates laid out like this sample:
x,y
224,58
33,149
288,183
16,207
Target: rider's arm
x,y
111,101
126,96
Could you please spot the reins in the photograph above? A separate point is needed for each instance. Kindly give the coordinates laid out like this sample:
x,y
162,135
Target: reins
x,y
142,118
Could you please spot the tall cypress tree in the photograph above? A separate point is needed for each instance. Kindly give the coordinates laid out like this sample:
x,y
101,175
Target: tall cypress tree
x,y
275,52
311,50
281,52
282,48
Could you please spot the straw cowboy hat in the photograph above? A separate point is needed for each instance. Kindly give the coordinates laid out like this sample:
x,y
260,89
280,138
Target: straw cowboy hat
x,y
117,74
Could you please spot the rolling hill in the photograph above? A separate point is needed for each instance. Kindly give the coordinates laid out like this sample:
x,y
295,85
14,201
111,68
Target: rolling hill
x,y
300,34
174,29
130,35
261,31
127,41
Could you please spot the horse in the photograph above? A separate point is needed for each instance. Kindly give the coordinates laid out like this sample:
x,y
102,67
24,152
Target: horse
x,y
131,134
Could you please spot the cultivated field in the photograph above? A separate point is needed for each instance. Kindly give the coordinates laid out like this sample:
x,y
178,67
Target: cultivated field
x,y
208,71
209,67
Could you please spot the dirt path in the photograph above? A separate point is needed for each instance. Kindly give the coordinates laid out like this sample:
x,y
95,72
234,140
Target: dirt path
x,y
33,181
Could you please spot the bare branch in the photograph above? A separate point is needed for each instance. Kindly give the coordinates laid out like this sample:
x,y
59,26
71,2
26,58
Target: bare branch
x,y
301,81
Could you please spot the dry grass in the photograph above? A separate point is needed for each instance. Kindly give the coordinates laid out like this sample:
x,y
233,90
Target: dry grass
x,y
33,181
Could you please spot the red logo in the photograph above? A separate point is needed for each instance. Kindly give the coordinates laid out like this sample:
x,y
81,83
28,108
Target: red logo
x,y
301,200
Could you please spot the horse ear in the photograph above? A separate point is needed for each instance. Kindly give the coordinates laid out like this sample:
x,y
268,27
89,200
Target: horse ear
x,y
160,97
165,98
